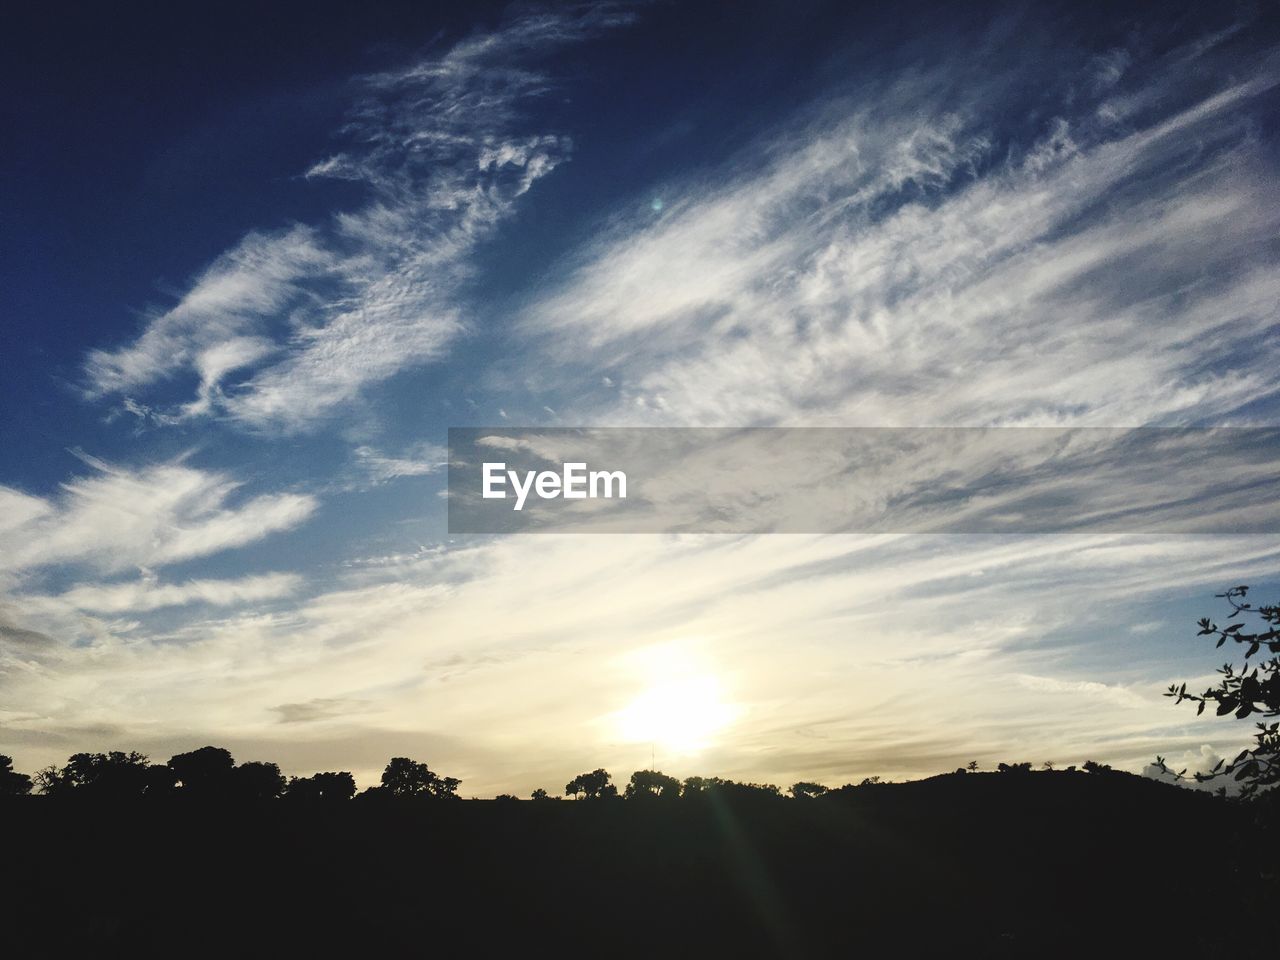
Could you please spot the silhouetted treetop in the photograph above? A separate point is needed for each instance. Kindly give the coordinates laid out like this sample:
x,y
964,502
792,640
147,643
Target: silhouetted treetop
x,y
256,780
108,776
1243,692
203,772
407,778
805,790
321,787
596,785
12,784
211,774
710,786
650,784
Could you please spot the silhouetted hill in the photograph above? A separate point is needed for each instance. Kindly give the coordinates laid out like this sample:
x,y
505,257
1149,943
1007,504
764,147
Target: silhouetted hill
x,y
1043,863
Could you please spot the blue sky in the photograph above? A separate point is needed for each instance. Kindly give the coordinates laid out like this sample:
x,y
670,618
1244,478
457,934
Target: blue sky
x,y
255,265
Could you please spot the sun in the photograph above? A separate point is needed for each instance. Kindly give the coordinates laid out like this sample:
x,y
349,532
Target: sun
x,y
681,710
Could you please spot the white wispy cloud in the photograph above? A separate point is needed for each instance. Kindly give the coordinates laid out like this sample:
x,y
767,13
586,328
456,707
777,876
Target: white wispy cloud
x,y
308,317
1101,274
419,460
145,595
116,518
206,330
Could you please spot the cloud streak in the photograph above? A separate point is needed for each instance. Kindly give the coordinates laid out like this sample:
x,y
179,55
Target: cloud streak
x,y
117,518
289,327
885,269
147,595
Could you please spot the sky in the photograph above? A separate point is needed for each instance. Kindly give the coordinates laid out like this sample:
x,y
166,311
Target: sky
x,y
255,263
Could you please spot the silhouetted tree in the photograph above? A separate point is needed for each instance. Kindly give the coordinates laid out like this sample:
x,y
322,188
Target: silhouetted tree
x,y
754,789
596,785
540,794
973,766
326,787
1244,692
203,773
1015,767
718,786
1092,766
211,773
696,786
805,790
407,778
257,781
1047,765
12,784
651,784
109,776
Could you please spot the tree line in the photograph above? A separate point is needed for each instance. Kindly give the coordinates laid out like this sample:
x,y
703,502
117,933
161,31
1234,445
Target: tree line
x,y
211,773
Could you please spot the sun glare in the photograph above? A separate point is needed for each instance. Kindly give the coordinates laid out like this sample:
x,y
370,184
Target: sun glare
x,y
682,709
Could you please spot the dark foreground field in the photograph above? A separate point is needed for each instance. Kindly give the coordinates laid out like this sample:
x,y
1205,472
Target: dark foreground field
x,y
1042,863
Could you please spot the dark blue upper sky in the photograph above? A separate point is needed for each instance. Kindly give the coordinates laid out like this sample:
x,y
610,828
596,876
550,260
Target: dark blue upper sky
x,y
142,141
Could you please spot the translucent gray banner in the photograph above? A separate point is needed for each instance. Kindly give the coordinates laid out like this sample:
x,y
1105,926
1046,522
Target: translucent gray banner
x,y
864,480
